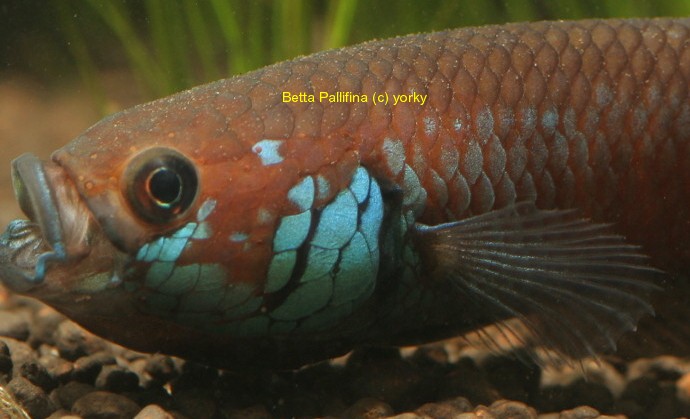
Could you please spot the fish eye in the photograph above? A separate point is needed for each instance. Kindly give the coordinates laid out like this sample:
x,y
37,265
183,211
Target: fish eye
x,y
160,184
164,186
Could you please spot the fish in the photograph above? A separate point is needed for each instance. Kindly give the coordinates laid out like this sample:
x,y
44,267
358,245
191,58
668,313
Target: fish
x,y
395,192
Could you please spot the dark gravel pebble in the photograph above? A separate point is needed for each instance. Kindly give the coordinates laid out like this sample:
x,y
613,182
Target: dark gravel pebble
x,y
581,412
509,409
58,368
69,393
63,414
31,397
153,411
117,379
87,368
447,409
104,405
5,362
20,354
62,371
368,408
38,375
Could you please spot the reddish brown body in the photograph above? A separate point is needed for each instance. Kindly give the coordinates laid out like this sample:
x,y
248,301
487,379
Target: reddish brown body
x,y
589,115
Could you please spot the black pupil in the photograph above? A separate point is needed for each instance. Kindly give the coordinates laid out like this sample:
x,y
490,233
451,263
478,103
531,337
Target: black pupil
x,y
165,186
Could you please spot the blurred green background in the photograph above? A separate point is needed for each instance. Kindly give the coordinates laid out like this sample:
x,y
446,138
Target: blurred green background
x,y
169,45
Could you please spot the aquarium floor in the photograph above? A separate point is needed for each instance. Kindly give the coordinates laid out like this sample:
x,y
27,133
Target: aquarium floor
x,y
52,368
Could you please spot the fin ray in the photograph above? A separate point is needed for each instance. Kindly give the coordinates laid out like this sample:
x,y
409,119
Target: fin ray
x,y
574,284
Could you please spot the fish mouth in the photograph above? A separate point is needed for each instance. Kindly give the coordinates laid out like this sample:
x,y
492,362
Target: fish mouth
x,y
57,228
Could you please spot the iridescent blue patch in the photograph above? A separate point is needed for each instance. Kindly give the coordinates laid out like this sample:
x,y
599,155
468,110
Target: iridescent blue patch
x,y
212,277
370,221
243,309
171,248
306,299
292,231
200,301
338,222
202,231
182,280
185,231
360,184
280,270
302,194
319,263
341,259
236,293
357,274
158,273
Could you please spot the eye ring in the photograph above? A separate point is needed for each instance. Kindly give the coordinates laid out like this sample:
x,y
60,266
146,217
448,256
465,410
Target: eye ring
x,y
160,184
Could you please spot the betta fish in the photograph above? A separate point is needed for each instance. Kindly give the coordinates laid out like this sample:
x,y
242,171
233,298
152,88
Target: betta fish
x,y
394,192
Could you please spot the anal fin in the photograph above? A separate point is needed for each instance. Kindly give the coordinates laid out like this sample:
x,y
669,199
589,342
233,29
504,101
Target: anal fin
x,y
575,284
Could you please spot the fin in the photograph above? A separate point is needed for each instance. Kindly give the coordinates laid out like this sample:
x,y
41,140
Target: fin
x,y
575,285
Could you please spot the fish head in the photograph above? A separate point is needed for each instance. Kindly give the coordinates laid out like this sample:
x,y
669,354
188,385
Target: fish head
x,y
150,208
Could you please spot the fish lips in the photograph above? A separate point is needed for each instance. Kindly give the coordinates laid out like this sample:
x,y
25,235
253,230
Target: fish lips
x,y
55,232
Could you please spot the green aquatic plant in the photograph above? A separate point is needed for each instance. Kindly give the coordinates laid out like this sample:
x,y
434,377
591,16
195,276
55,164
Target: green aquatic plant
x,y
170,45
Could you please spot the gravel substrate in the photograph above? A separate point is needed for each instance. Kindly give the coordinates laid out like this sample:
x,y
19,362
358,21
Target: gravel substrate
x,y
51,368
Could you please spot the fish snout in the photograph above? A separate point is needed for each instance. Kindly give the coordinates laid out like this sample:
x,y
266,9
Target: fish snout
x,y
57,227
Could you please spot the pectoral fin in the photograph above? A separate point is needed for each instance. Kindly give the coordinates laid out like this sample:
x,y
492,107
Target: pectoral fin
x,y
575,285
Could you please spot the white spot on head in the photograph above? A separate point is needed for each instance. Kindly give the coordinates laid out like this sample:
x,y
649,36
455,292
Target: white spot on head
x,y
267,150
264,216
238,237
205,209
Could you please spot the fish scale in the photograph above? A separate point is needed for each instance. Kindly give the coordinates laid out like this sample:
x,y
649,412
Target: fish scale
x,y
532,171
